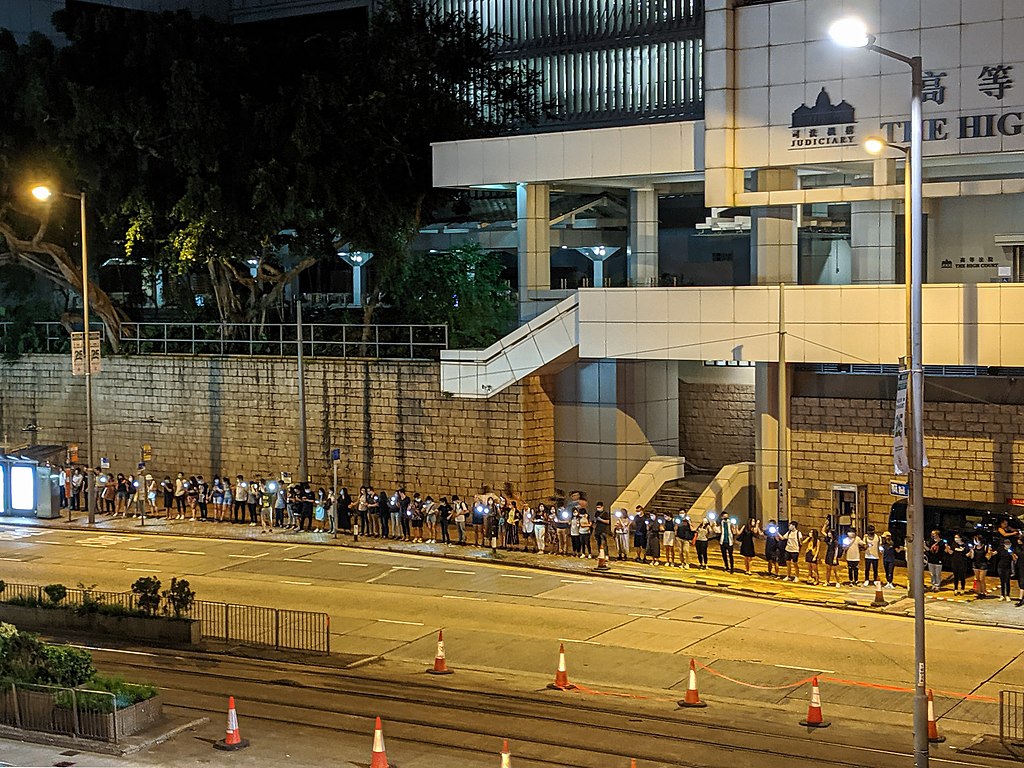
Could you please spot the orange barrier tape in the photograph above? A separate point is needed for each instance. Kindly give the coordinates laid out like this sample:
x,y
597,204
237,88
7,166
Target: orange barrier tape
x,y
797,684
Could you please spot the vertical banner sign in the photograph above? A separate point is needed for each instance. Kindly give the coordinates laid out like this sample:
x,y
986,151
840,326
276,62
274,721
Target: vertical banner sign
x,y
77,353
899,430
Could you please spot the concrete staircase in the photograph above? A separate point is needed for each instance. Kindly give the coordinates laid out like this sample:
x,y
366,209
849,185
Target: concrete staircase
x,y
679,495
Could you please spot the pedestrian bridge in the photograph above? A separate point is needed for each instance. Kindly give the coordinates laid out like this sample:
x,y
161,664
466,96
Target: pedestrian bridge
x,y
964,325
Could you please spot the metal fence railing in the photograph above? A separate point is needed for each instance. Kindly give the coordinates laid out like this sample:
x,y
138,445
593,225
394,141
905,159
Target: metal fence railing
x,y
252,625
380,342
72,711
1011,717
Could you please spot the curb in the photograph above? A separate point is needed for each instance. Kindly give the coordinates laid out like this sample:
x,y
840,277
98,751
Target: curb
x,y
98,747
848,604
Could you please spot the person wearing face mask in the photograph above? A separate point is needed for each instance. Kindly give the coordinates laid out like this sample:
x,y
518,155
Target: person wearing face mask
x,y
1006,559
981,553
961,554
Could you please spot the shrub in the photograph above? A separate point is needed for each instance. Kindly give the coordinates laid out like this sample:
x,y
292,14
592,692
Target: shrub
x,y
147,591
125,693
66,666
27,601
22,658
179,597
56,592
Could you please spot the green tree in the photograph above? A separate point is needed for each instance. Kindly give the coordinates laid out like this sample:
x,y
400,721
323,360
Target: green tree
x,y
463,288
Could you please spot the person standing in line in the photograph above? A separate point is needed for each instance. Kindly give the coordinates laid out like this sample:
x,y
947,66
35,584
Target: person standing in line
x,y
701,538
1005,562
960,554
574,531
362,516
563,526
668,541
202,498
64,485
513,519
383,512
746,536
540,528
794,538
526,529
684,538
280,496
344,511
150,496
585,529
853,543
772,548
726,531
460,510
981,554
268,506
620,531
654,533
812,549
192,497
889,551
252,501
180,491
240,493
77,481
602,528
217,498
833,551
1018,570
639,522
933,554
872,553
444,518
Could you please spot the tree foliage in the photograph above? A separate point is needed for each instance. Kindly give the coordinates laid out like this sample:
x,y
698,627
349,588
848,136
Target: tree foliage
x,y
462,288
244,155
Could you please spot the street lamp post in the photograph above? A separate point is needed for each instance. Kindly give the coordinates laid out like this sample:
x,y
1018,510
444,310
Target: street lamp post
x,y
43,193
853,33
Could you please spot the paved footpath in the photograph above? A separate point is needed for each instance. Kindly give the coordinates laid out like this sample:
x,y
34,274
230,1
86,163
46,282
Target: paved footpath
x,y
943,606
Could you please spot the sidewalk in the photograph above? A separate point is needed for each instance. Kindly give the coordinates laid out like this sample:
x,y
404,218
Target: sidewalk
x,y
944,606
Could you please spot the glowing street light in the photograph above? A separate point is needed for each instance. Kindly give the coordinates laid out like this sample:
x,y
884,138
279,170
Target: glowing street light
x,y
850,32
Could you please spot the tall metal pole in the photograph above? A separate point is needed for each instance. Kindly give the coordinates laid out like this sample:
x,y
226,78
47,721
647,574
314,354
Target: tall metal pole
x,y
783,420
303,466
90,491
916,551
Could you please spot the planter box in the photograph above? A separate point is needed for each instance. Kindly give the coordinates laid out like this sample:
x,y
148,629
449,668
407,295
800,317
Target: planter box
x,y
158,630
39,711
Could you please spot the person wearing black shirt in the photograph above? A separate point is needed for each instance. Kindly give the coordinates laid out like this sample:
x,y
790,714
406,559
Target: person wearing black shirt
x,y
602,526
444,512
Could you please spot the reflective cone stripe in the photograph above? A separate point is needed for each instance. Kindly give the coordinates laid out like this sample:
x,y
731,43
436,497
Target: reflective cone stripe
x,y
879,595
440,665
378,759
561,676
814,718
602,559
506,756
232,736
933,728
692,698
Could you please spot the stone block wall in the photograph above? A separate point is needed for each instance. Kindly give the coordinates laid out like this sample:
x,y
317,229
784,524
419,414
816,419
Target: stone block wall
x,y
971,451
716,423
240,415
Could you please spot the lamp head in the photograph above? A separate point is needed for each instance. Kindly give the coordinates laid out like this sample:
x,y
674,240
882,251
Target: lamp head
x,y
850,32
875,145
42,193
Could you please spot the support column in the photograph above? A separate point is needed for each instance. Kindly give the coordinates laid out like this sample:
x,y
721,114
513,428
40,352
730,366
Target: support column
x,y
873,241
598,254
533,222
642,254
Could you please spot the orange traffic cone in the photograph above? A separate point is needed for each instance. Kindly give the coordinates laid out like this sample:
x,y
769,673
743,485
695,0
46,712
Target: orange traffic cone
x,y
879,601
378,759
506,756
440,666
692,698
232,739
602,560
561,676
632,762
933,728
814,719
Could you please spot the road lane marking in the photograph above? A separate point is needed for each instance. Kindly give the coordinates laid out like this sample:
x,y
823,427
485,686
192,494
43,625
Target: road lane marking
x,y
115,650
11,559
143,570
189,552
142,549
644,615
380,576
296,560
466,573
513,576
251,557
574,581
853,639
403,568
570,640
463,597
299,583
407,623
807,669
637,586
356,565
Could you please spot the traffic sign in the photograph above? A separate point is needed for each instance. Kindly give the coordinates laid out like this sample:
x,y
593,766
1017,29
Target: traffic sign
x,y
104,462
899,489
147,452
73,453
142,465
336,454
78,353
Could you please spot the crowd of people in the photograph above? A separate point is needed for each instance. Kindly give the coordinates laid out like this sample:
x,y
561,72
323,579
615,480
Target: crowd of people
x,y
562,526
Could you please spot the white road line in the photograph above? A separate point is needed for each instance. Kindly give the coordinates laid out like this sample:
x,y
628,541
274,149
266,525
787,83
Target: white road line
x,y
251,557
465,573
403,568
293,546
853,639
463,597
115,650
142,570
356,565
407,623
189,552
807,669
643,615
299,583
141,549
570,640
574,581
296,560
637,586
513,576
11,559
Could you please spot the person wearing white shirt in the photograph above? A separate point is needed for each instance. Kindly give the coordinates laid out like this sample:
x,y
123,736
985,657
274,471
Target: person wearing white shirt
x,y
794,539
872,553
852,543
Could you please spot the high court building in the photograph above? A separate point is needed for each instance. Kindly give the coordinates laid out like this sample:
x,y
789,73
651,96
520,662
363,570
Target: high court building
x,y
710,267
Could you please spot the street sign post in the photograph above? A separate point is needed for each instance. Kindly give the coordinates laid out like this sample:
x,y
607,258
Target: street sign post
x,y
78,353
147,452
899,489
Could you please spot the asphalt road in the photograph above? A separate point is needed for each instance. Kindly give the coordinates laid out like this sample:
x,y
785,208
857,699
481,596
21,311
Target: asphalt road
x,y
624,638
